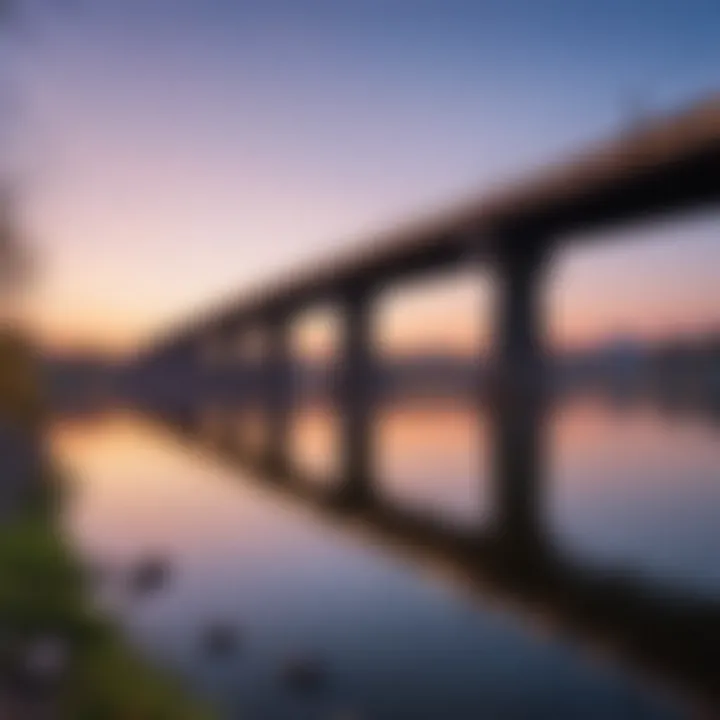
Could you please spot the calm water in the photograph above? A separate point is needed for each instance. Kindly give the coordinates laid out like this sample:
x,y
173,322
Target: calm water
x,y
398,637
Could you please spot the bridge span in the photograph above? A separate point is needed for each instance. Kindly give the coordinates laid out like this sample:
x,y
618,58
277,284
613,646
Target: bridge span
x,y
669,165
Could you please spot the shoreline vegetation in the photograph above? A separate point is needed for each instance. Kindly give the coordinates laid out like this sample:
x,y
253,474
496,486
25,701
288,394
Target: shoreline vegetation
x,y
59,658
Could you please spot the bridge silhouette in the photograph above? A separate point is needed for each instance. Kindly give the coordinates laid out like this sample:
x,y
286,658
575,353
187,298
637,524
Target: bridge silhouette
x,y
669,165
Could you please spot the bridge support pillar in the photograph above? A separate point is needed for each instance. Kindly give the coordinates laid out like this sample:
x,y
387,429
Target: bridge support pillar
x,y
277,391
356,390
517,396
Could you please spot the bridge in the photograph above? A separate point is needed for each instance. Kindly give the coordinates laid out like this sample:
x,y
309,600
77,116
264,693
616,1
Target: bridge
x,y
669,165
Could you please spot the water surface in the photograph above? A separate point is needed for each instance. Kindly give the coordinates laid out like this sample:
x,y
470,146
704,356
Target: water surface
x,y
397,636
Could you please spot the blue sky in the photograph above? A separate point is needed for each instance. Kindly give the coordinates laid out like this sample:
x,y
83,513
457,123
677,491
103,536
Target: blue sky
x,y
179,151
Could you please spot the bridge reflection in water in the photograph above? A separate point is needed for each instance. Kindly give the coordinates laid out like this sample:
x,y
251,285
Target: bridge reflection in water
x,y
515,558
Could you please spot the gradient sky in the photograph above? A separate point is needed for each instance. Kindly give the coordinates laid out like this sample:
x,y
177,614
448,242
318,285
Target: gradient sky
x,y
176,151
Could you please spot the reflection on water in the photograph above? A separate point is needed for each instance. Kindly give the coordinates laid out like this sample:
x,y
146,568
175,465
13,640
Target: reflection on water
x,y
639,488
624,484
398,638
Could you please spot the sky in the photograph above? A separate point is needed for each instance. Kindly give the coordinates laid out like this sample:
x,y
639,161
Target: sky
x,y
175,152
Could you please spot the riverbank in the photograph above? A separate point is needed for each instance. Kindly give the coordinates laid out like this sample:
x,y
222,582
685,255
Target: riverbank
x,y
58,657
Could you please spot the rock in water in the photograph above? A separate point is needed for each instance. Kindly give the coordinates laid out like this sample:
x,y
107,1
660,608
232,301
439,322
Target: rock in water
x,y
220,639
304,674
149,576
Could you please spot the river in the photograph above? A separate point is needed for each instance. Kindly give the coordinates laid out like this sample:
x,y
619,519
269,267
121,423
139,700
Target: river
x,y
396,637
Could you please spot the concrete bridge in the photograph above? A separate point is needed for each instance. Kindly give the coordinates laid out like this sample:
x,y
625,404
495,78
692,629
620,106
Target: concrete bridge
x,y
667,166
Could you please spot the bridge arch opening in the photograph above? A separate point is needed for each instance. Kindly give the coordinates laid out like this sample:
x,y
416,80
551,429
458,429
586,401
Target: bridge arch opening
x,y
634,322
315,440
433,339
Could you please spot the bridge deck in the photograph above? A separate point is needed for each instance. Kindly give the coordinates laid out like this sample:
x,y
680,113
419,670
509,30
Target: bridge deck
x,y
670,164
